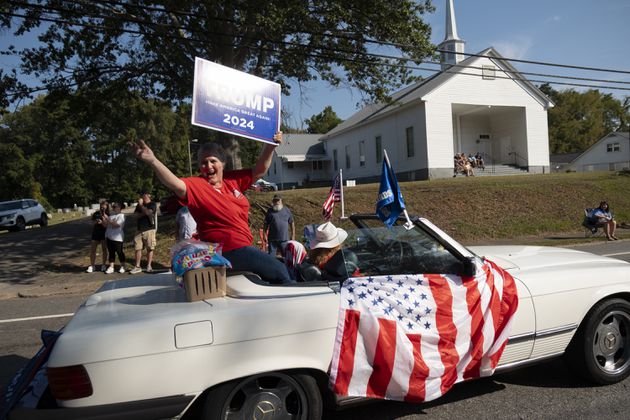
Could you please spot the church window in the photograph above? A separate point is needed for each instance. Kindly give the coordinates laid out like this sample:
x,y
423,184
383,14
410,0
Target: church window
x,y
362,153
378,142
410,146
347,157
488,72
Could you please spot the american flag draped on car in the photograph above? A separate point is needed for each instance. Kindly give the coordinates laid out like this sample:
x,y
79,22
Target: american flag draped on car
x,y
412,337
334,196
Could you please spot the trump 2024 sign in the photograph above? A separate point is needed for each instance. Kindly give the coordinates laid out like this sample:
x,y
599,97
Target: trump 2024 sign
x,y
234,102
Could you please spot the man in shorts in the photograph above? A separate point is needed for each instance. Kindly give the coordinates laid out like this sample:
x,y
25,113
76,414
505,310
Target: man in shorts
x,y
145,236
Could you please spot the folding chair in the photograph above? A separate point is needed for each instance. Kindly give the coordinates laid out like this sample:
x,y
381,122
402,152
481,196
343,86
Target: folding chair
x,y
590,228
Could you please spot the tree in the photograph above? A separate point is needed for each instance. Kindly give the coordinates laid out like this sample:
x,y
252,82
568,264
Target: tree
x,y
74,148
151,45
579,119
323,122
16,177
54,149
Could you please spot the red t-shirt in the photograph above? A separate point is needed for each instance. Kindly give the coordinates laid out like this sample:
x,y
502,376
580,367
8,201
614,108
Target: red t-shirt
x,y
221,214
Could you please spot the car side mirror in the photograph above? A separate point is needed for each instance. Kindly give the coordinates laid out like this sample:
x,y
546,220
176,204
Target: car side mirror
x,y
470,268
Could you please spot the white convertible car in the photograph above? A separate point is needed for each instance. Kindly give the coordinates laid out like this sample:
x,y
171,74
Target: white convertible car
x,y
138,349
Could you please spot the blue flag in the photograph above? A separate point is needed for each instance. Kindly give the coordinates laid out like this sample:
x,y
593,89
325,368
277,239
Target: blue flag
x,y
389,203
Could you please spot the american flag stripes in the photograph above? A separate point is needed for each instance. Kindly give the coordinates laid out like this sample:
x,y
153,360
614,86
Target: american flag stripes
x,y
334,196
412,337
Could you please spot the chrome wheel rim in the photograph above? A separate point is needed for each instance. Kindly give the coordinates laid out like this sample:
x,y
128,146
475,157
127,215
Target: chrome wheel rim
x,y
266,397
611,343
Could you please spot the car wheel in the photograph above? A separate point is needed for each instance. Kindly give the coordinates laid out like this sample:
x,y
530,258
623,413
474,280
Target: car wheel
x,y
20,224
43,220
600,350
270,396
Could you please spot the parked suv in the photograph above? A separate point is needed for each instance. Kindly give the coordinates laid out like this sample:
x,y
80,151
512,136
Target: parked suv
x,y
15,215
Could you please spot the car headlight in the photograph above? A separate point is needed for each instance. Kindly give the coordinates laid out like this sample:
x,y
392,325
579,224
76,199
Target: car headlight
x,y
7,217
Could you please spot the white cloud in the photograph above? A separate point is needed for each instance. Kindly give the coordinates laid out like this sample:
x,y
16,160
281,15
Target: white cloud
x,y
517,48
552,19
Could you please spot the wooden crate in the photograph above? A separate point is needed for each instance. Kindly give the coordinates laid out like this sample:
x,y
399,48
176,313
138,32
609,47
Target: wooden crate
x,y
205,283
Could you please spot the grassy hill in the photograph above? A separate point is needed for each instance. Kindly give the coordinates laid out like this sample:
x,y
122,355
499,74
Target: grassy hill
x,y
472,210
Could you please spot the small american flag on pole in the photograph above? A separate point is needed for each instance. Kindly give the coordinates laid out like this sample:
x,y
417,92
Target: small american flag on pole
x,y
334,196
412,337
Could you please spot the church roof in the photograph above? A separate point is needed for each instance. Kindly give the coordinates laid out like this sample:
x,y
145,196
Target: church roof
x,y
417,91
301,147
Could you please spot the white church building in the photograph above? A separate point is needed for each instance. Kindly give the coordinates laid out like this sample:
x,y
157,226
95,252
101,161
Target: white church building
x,y
475,104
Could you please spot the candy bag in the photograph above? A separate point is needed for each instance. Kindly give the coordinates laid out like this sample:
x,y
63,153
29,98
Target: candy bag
x,y
191,254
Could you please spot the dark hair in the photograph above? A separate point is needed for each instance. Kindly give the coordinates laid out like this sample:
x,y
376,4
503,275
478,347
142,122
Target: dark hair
x,y
211,149
602,204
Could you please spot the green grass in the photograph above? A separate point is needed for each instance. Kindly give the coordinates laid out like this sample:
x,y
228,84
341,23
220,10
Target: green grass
x,y
476,209
56,218
472,210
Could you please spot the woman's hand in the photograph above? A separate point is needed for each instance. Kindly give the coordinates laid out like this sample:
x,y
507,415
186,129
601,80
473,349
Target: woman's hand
x,y
278,138
142,152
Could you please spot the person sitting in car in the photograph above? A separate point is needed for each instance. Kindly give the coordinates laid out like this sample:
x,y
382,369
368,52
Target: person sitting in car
x,y
326,260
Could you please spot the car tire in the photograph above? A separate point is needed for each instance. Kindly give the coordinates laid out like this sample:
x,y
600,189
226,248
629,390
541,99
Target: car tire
x,y
274,395
43,220
20,224
600,349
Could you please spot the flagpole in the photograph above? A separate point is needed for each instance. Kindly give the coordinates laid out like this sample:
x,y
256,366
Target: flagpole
x,y
343,216
408,225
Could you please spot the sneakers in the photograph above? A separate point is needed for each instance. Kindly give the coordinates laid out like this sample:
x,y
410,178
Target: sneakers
x,y
90,269
103,268
149,269
109,270
121,269
135,270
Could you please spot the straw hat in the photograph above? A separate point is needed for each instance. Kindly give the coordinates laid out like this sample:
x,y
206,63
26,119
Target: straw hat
x,y
328,236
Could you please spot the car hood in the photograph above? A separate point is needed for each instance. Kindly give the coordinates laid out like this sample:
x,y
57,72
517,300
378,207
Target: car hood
x,y
537,257
550,269
7,212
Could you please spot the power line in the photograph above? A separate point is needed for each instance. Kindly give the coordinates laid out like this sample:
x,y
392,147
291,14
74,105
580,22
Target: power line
x,y
338,58
353,38
385,43
543,63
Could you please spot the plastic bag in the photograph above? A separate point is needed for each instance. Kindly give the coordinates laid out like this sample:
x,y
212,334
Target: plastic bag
x,y
190,254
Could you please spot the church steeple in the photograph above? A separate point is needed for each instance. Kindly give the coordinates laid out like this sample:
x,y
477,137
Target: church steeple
x,y
452,44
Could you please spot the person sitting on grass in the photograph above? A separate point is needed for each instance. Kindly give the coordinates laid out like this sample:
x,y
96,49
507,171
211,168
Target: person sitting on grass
x,y
602,217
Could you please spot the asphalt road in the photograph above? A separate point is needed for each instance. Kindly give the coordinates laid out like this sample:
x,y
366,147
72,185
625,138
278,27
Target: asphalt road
x,y
544,391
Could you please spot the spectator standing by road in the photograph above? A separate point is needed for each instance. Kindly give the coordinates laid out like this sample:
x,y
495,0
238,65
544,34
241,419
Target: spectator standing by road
x,y
98,236
278,220
115,238
145,236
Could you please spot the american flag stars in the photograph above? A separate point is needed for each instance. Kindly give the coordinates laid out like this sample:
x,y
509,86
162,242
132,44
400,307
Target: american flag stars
x,y
392,297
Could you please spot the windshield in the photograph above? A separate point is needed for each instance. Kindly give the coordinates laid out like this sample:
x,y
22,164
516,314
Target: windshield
x,y
378,250
12,205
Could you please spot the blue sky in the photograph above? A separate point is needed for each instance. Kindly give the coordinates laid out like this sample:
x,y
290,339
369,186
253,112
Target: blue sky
x,y
577,32
585,33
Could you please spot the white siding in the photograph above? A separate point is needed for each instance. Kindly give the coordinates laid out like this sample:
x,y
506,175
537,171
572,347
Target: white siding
x,y
597,158
473,90
392,130
449,119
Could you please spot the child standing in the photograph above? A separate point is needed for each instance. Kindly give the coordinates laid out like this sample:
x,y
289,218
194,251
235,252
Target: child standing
x,y
115,238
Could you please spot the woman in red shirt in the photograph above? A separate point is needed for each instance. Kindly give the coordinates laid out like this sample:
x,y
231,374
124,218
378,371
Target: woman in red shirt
x,y
217,202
